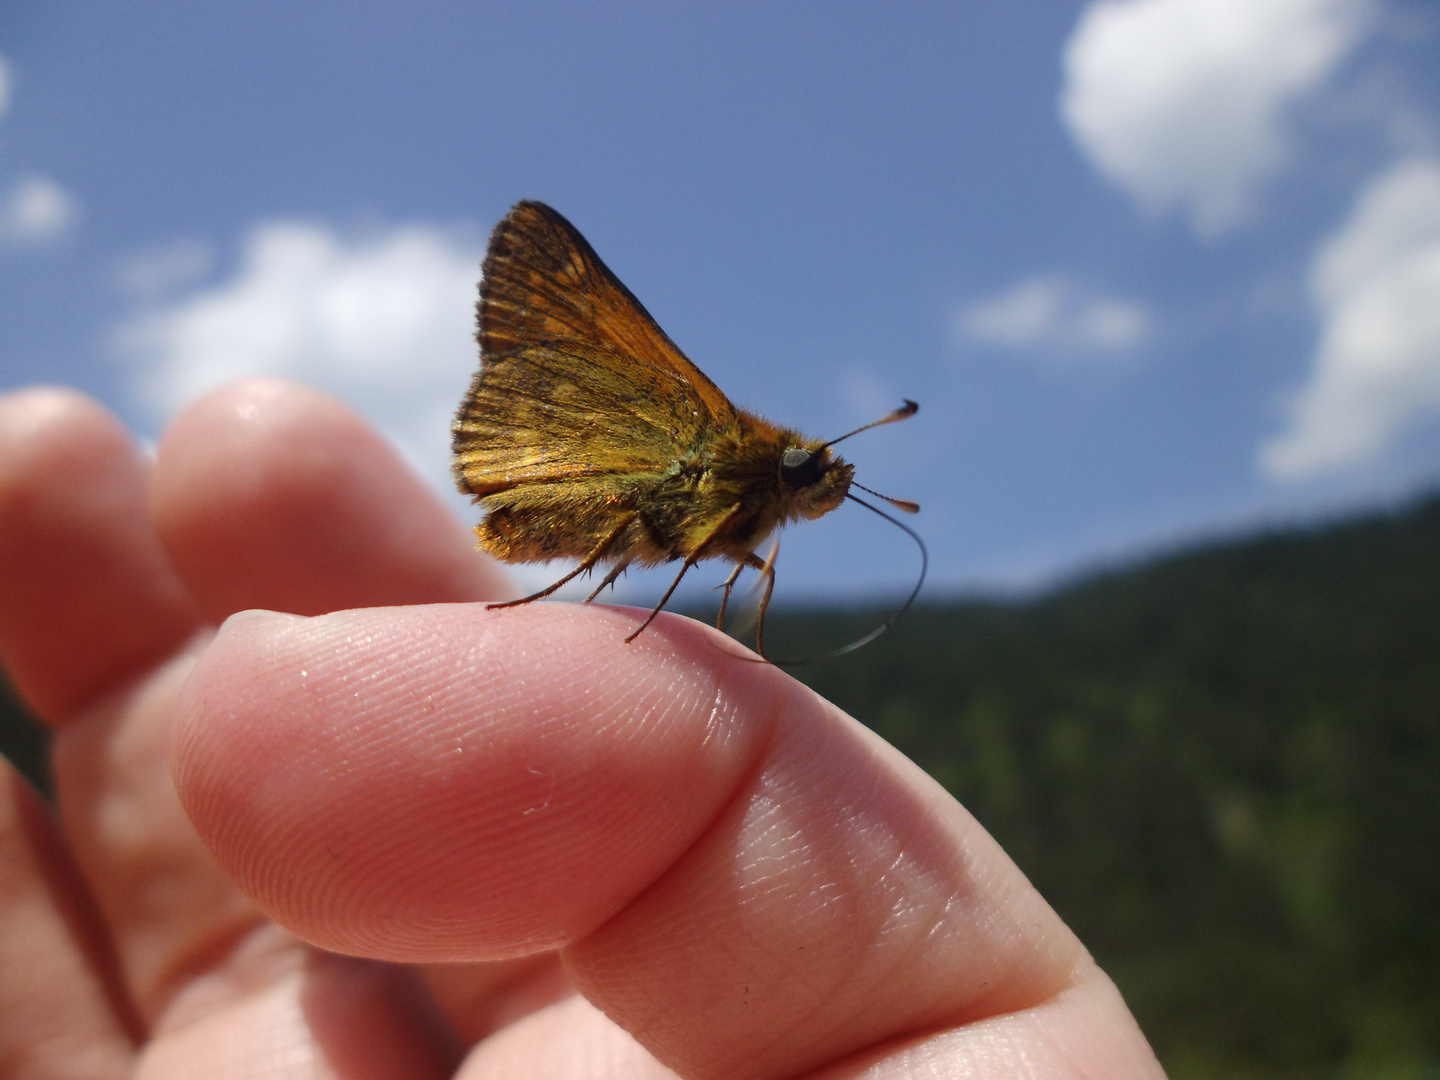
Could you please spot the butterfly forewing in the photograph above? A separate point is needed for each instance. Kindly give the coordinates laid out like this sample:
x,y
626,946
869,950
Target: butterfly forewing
x,y
542,283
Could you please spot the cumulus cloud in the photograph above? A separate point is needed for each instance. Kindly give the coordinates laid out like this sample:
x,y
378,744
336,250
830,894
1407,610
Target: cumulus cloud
x,y
384,321
1051,314
36,211
1376,373
1182,103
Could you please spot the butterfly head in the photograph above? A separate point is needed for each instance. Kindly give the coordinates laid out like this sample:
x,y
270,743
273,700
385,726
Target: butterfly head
x,y
815,480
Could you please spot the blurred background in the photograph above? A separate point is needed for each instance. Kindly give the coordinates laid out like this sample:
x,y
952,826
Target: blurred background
x,y
1164,276
1154,270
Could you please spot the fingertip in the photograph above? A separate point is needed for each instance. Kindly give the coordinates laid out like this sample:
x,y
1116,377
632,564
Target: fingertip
x,y
272,495
89,595
450,783
50,434
26,414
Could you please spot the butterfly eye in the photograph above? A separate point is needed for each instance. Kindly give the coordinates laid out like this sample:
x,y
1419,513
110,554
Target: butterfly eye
x,y
799,467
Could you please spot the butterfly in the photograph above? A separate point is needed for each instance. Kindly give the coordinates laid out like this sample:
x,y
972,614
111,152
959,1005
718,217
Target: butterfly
x,y
588,435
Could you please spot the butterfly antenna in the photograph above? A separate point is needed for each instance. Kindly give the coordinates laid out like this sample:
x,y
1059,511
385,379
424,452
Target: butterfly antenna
x,y
904,504
905,411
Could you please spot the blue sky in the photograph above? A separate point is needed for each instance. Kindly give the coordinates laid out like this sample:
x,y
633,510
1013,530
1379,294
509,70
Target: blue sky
x,y
1155,269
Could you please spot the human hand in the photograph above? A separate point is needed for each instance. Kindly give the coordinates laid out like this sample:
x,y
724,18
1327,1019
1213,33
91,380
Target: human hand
x,y
494,809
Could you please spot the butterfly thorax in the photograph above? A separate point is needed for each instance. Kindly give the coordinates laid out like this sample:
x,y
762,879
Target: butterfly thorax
x,y
739,489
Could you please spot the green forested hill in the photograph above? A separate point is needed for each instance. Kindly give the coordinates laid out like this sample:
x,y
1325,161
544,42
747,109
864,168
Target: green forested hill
x,y
1221,767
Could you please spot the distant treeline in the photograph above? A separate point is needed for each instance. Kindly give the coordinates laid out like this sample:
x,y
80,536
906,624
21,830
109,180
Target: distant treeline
x,y
1221,767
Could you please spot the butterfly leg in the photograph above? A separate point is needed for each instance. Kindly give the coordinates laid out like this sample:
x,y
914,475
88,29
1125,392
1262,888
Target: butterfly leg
x,y
609,580
596,554
750,560
767,570
694,557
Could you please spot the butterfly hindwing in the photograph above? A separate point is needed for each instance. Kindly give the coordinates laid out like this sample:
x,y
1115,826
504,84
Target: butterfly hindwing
x,y
545,413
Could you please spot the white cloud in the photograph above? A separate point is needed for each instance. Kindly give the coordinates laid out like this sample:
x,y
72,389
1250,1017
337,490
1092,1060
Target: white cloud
x,y
1050,314
1182,102
1376,283
383,321
36,211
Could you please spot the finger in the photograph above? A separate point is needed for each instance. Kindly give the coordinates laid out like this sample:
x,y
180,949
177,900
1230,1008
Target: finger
x,y
489,785
93,627
87,595
841,901
271,495
1084,1031
171,910
572,1039
304,1014
748,881
480,999
59,1001
93,614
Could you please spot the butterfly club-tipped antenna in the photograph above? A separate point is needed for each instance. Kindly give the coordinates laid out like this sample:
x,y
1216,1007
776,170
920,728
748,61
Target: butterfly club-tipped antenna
x,y
905,411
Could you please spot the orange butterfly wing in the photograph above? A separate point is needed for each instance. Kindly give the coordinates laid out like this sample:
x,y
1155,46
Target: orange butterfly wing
x,y
543,284
576,378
